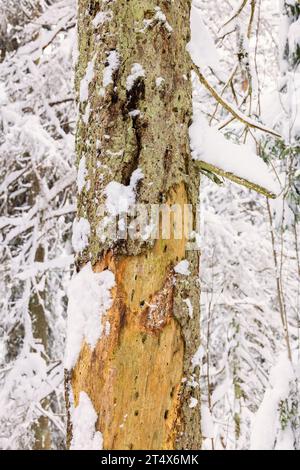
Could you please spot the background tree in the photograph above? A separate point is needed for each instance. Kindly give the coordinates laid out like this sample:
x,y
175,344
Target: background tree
x,y
249,264
37,207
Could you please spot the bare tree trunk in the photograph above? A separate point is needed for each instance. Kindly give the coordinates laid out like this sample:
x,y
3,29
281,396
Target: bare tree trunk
x,y
141,377
41,428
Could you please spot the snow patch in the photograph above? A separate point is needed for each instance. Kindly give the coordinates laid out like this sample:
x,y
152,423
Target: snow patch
x,y
101,18
81,174
134,113
137,71
197,358
159,81
89,300
189,306
86,115
84,419
113,63
3,94
210,146
207,424
161,18
81,233
121,198
107,328
84,84
201,47
182,268
265,426
158,18
193,402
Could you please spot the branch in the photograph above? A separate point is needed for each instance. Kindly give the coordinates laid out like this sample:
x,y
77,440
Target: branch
x,y
224,88
238,115
236,179
237,13
65,100
253,5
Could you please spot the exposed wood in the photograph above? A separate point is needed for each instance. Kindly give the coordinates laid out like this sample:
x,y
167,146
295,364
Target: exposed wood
x,y
137,391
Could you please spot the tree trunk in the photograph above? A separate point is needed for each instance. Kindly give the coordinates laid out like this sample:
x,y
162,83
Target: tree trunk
x,y
41,428
42,433
142,376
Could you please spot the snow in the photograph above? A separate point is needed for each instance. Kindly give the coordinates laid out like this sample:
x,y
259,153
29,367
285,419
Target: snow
x,y
148,231
265,426
107,328
271,107
293,124
161,17
137,71
238,276
81,174
201,47
86,115
101,18
81,233
3,94
136,176
197,358
182,268
34,368
294,36
38,268
285,439
193,402
113,63
84,420
38,205
159,81
120,198
89,300
134,113
207,425
84,84
189,306
210,146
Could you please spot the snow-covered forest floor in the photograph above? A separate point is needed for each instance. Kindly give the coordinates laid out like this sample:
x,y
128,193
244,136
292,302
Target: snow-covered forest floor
x,y
249,53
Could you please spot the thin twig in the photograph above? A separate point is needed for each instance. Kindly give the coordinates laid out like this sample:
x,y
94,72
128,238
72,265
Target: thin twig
x,y
238,115
278,286
237,13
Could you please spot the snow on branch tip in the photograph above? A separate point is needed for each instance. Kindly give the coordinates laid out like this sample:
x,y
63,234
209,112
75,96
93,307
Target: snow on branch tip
x,y
214,153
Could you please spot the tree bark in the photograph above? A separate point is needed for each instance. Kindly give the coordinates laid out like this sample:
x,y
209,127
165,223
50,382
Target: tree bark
x,y
41,429
141,377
